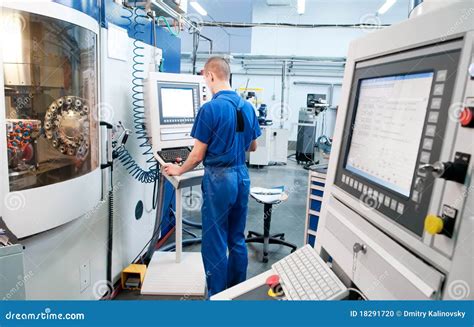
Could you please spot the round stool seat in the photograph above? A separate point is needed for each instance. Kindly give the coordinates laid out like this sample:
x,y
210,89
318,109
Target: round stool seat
x,y
261,199
268,199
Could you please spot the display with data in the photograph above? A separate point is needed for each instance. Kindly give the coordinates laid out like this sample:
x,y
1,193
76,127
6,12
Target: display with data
x,y
177,102
388,128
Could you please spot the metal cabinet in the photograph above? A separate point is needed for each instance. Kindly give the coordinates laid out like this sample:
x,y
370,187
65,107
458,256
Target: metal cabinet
x,y
316,182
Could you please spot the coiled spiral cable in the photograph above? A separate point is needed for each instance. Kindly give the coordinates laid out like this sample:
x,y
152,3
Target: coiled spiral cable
x,y
133,168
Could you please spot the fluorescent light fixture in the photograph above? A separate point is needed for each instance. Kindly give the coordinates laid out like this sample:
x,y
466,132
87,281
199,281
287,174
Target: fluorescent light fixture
x,y
301,6
198,8
386,6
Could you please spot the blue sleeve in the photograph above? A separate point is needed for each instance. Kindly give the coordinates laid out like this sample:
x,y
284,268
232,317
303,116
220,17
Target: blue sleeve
x,y
256,127
203,125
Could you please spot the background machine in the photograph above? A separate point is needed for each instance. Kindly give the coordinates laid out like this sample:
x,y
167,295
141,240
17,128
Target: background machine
x,y
172,102
398,206
272,147
307,122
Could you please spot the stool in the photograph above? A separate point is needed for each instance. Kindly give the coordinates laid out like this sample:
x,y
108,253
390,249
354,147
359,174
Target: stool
x,y
266,238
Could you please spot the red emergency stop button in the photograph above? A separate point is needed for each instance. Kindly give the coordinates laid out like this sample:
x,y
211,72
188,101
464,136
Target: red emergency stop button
x,y
467,117
273,280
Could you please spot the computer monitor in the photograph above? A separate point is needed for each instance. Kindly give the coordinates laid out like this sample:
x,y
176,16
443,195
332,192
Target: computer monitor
x,y
395,122
178,102
172,101
388,127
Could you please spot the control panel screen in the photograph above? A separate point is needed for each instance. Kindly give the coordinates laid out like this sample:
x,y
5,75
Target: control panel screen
x,y
388,127
177,102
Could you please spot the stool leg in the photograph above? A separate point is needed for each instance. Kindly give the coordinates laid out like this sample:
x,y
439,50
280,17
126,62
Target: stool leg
x,y
251,233
267,218
279,235
257,239
284,243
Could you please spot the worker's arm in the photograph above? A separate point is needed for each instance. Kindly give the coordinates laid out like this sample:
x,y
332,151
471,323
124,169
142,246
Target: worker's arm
x,y
253,146
256,133
195,158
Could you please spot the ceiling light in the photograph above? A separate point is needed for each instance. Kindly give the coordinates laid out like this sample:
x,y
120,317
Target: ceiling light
x,y
301,6
198,8
278,2
386,6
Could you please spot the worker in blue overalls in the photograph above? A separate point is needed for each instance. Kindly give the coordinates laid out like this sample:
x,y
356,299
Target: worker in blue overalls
x,y
224,129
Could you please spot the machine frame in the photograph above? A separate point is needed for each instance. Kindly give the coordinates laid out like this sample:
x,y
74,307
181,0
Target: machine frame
x,y
426,266
34,212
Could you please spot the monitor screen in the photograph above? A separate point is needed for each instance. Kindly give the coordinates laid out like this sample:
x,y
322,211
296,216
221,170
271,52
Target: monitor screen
x,y
388,127
177,102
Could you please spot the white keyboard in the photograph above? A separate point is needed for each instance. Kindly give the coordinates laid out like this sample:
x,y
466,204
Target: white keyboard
x,y
305,276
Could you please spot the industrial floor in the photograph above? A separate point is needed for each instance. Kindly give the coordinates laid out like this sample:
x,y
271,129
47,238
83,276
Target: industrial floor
x,y
288,218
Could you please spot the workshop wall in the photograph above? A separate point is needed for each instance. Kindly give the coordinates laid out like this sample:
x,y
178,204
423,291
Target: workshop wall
x,y
323,42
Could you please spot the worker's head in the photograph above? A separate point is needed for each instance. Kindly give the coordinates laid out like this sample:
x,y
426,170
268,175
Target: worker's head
x,y
217,74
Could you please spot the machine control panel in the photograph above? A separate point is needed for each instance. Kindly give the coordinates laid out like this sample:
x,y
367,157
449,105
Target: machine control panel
x,y
396,121
400,175
172,102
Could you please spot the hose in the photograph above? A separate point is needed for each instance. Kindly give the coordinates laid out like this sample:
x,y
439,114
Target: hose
x,y
158,218
110,237
174,33
192,223
110,230
148,175
133,168
190,233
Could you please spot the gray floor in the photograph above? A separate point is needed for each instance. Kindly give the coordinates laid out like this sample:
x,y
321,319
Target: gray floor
x,y
288,217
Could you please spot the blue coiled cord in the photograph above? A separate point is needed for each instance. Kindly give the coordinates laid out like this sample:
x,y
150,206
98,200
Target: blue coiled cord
x,y
150,175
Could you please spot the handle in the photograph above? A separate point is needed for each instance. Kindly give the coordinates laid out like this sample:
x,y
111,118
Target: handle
x,y
109,150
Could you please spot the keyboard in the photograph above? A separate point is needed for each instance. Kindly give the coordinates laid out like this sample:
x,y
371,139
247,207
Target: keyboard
x,y
177,156
305,276
174,155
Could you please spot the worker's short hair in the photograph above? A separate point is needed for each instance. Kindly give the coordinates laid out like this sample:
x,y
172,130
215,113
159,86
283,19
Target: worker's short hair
x,y
219,66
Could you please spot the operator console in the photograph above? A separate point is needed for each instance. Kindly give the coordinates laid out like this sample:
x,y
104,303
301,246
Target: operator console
x,y
172,102
398,175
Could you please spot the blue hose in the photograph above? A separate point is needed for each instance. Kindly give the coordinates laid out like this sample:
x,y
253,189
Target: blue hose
x,y
192,223
133,168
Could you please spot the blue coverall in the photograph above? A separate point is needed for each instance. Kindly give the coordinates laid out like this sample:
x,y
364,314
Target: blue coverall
x,y
225,186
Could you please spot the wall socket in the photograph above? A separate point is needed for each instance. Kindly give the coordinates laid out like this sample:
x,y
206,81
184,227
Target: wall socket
x,y
85,275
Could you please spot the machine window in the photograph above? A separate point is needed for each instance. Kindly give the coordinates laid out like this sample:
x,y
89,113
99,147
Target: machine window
x,y
50,88
388,127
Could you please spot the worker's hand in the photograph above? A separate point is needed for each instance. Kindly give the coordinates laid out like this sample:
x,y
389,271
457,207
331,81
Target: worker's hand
x,y
172,170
